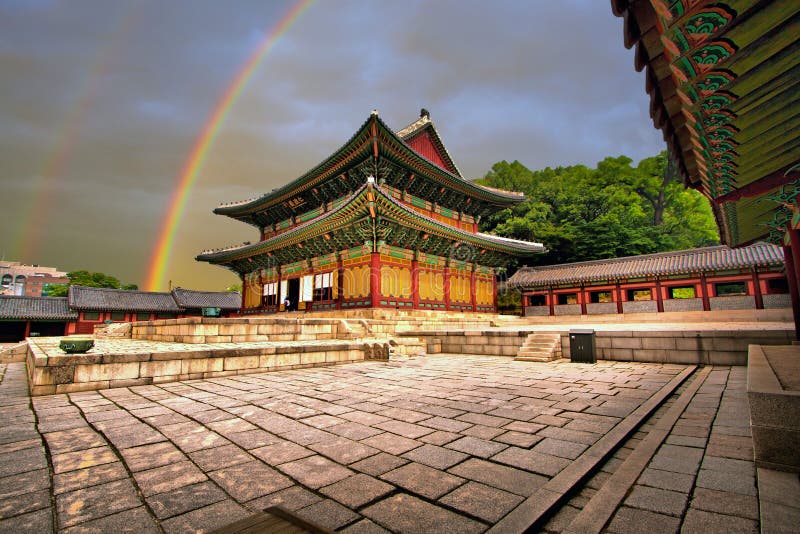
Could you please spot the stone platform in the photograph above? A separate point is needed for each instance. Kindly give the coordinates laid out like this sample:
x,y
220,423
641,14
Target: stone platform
x,y
680,343
116,363
449,443
773,390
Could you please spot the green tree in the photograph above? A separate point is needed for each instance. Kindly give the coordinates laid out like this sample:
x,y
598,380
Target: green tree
x,y
615,210
88,279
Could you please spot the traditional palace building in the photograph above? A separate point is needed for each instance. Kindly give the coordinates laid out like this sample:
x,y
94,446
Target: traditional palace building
x,y
703,279
387,221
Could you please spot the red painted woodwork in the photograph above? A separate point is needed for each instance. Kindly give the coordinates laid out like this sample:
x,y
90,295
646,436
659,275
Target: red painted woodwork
x,y
415,284
375,279
794,294
551,301
757,292
659,296
447,287
422,144
759,187
704,292
473,297
619,297
339,282
582,298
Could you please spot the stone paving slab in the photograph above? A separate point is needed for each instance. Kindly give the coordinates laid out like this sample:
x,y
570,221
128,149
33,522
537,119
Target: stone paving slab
x,y
198,454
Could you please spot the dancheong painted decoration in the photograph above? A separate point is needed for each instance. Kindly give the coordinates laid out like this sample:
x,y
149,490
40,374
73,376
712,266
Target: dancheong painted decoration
x,y
387,221
724,85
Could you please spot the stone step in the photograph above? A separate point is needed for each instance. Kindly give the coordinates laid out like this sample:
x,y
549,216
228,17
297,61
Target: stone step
x,y
534,352
539,347
544,358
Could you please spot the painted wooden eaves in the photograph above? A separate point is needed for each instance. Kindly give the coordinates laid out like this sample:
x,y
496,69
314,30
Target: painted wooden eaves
x,y
724,86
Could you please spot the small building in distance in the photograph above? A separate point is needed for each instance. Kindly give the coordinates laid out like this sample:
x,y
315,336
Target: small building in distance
x,y
28,280
704,279
22,317
207,303
386,221
97,305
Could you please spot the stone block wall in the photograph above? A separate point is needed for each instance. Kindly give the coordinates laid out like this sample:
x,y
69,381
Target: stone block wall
x,y
640,306
774,407
52,371
208,330
739,302
531,311
490,343
717,347
683,305
599,308
779,300
567,309
720,347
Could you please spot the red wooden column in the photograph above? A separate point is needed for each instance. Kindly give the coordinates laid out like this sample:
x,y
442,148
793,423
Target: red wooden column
x,y
447,287
582,295
619,297
473,291
244,288
791,278
550,301
659,296
261,283
757,291
375,279
794,245
278,288
704,292
27,328
339,281
415,284
494,291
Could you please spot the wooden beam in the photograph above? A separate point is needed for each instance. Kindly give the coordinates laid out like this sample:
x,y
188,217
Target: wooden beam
x,y
760,186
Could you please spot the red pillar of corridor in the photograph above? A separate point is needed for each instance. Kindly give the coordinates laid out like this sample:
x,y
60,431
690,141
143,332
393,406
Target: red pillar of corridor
x,y
791,256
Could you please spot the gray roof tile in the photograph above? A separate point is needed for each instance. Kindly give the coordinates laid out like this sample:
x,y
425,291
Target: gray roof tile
x,y
188,298
709,259
104,299
35,308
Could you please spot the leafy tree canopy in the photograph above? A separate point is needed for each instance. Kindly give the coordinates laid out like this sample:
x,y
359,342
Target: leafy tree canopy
x,y
85,278
614,210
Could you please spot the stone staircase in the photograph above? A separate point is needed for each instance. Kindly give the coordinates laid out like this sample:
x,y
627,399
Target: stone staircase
x,y
540,347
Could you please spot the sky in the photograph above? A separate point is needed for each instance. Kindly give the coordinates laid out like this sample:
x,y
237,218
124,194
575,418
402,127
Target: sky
x,y
101,104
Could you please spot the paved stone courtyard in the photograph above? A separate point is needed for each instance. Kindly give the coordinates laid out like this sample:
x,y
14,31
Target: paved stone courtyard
x,y
434,444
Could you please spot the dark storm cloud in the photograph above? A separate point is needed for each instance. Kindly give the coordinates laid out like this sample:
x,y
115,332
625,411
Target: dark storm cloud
x,y
547,83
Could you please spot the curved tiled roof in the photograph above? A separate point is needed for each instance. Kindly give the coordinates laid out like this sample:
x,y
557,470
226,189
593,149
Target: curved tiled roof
x,y
226,300
297,233
708,259
361,141
35,308
105,299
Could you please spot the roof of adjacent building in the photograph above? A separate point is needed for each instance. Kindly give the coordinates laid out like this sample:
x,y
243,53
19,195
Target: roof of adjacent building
x,y
693,261
722,78
225,300
105,299
35,308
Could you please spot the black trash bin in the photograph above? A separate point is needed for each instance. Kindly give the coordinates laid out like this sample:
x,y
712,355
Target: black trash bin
x,y
582,347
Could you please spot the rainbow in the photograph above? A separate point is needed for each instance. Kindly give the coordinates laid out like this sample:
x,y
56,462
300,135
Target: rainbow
x,y
191,169
34,222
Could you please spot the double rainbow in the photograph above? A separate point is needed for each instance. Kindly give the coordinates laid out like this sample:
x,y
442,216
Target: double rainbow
x,y
161,253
